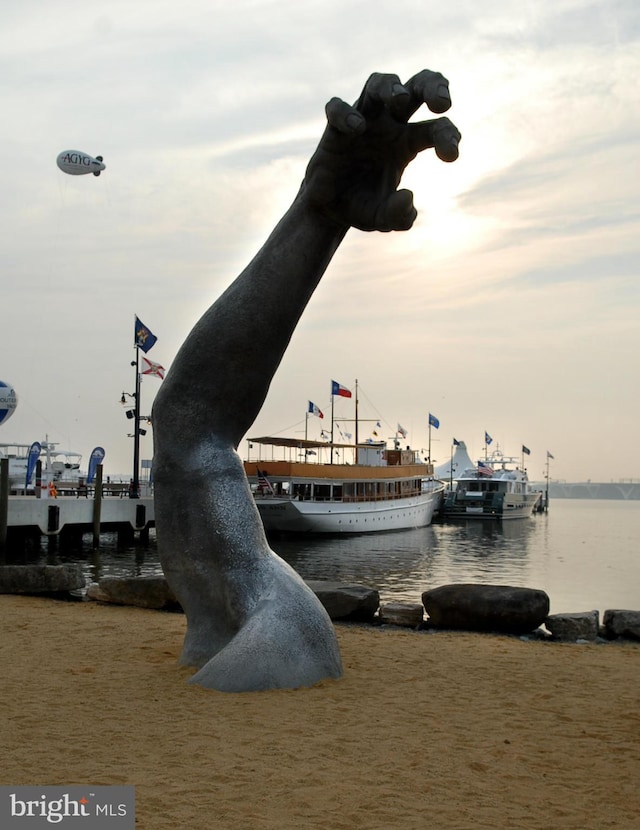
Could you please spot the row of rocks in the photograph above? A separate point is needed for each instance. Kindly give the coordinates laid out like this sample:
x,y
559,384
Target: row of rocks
x,y
462,607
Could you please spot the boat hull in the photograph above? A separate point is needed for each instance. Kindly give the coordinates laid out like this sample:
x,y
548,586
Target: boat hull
x,y
290,516
507,508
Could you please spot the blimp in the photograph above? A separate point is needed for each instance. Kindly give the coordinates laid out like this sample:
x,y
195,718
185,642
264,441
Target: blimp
x,y
77,163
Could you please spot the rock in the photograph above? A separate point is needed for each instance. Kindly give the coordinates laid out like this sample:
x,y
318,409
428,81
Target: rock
x,y
356,603
496,608
141,591
41,579
572,627
625,624
406,614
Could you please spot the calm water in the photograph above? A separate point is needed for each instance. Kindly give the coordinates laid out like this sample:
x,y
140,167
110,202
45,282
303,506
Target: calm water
x,y
584,553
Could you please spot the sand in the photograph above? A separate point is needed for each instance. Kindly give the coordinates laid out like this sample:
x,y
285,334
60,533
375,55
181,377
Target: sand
x,y
425,730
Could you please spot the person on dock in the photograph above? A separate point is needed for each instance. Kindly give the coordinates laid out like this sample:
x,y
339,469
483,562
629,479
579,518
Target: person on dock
x,y
252,623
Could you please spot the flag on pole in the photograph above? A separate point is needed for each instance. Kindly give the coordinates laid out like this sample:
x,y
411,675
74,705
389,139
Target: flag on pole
x,y
143,337
526,450
433,421
338,389
487,438
263,481
34,454
315,410
151,368
456,443
96,457
549,455
402,430
484,469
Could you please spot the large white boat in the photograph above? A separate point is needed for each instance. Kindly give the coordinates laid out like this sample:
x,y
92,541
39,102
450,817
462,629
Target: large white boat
x,y
496,488
58,466
321,487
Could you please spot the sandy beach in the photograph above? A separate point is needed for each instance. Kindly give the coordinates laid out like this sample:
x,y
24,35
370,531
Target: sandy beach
x,y
425,730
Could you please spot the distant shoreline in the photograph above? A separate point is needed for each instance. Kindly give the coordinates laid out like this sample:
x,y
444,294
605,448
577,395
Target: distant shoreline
x,y
625,490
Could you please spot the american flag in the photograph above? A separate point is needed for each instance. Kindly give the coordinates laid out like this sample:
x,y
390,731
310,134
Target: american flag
x,y
263,481
484,469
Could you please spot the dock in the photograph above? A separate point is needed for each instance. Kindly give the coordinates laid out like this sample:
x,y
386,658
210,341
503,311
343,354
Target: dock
x,y
75,511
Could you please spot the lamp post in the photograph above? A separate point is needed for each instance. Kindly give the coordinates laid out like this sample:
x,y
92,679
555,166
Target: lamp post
x,y
134,490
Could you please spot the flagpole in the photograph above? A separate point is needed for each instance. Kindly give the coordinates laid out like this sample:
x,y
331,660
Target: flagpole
x,y
356,433
429,445
546,503
333,397
135,488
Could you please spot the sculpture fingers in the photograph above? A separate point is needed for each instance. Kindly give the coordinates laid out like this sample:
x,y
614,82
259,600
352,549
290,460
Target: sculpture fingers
x,y
345,118
374,212
430,88
397,213
441,134
380,91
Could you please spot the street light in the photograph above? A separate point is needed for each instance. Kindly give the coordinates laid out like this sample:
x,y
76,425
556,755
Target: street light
x,y
134,490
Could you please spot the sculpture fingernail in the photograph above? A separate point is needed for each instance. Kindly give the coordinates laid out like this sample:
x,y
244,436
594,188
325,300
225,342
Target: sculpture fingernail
x,y
443,92
355,121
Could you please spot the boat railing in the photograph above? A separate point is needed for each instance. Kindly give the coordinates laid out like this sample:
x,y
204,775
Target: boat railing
x,y
345,499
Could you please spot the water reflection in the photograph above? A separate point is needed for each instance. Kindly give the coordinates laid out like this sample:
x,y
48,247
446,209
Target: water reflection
x,y
391,562
583,554
404,564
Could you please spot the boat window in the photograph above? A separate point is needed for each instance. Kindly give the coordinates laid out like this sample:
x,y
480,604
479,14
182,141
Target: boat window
x,y
348,492
321,492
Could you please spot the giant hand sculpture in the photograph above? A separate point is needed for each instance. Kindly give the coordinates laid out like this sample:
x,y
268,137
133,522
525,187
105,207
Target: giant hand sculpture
x,y
252,623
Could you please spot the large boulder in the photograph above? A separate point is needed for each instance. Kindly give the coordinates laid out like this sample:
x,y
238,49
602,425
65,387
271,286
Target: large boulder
x,y
495,608
620,623
41,579
141,591
571,627
356,603
405,614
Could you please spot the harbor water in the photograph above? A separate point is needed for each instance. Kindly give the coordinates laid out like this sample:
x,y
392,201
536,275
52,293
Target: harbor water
x,y
584,553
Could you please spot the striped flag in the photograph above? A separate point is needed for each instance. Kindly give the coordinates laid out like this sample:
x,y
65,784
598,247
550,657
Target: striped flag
x,y
263,481
315,410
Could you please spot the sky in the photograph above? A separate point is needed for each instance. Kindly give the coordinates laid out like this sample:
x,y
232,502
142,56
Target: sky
x,y
511,307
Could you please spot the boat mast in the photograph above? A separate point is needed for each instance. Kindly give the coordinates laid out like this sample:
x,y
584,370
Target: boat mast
x,y
356,425
331,450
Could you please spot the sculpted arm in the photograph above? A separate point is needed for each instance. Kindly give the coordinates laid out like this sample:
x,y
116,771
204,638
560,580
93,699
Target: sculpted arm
x,y
239,597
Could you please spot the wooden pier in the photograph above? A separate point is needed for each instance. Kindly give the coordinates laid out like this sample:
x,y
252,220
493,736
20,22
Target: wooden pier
x,y
74,512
